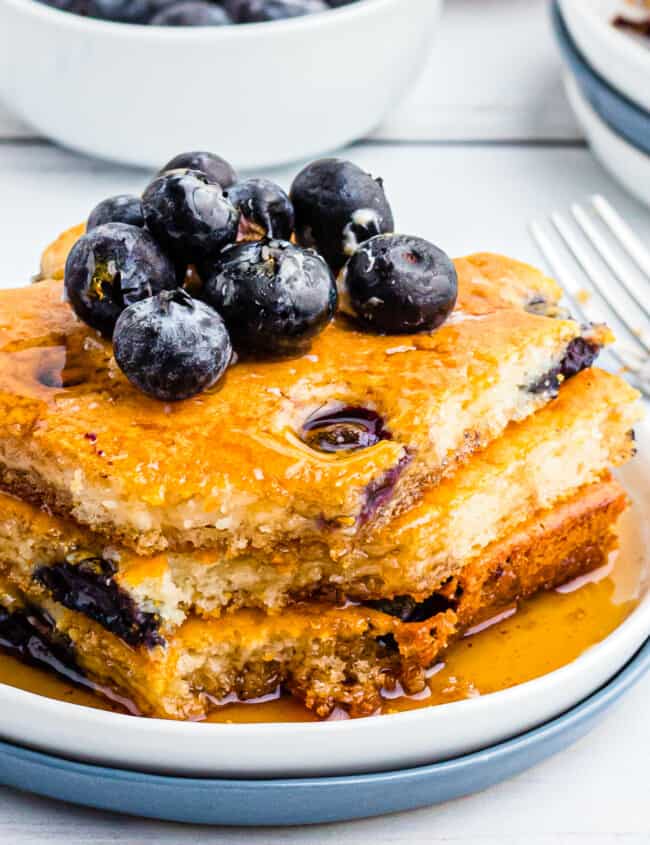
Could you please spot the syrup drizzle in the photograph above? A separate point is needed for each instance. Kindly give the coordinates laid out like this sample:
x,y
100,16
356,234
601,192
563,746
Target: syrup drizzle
x,y
545,633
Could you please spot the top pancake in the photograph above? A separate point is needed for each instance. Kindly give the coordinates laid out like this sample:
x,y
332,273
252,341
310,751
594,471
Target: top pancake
x,y
228,468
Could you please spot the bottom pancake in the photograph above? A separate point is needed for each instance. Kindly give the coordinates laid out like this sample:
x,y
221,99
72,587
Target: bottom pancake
x,y
325,655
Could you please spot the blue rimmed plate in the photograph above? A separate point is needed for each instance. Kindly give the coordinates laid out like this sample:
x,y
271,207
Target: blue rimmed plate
x,y
625,117
307,800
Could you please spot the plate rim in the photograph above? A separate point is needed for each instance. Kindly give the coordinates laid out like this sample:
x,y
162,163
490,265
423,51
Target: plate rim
x,y
620,42
606,695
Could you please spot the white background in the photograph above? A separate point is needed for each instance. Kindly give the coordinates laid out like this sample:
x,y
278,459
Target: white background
x,y
483,143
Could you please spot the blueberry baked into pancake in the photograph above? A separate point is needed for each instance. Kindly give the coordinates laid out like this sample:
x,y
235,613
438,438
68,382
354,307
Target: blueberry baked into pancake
x,y
252,439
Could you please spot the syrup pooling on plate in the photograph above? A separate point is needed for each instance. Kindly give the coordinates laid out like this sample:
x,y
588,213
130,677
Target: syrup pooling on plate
x,y
545,633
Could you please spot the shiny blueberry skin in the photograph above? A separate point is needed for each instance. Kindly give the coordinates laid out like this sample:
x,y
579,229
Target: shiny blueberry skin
x,y
192,13
125,11
77,7
189,215
111,267
266,210
124,208
398,284
273,296
258,11
171,346
338,206
215,168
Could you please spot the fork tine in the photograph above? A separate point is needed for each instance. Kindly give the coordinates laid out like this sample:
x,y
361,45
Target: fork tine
x,y
565,276
599,282
626,236
632,360
636,288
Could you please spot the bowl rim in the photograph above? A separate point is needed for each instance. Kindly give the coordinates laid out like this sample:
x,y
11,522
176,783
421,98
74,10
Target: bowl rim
x,y
620,43
635,625
332,17
579,65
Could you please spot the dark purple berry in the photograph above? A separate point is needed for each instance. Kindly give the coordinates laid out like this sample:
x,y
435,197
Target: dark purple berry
x,y
171,346
258,11
124,208
190,216
344,429
110,268
215,168
273,296
266,210
125,11
192,13
337,207
398,284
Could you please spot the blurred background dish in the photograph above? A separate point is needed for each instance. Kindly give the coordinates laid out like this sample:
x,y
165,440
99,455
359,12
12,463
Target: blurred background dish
x,y
629,165
617,129
262,94
620,57
619,112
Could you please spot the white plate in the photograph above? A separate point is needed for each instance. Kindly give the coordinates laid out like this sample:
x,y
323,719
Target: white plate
x,y
625,162
622,58
364,745
258,94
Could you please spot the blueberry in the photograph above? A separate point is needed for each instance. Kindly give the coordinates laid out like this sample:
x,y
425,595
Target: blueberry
x,y
266,211
124,208
215,168
192,13
337,207
125,11
258,11
344,429
77,7
189,215
111,267
273,296
90,588
399,284
171,346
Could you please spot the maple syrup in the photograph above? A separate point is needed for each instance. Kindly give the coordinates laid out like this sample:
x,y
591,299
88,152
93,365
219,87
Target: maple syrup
x,y
519,644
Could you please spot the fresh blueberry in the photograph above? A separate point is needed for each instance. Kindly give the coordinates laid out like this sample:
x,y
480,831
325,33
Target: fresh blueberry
x,y
337,207
124,208
273,296
266,211
215,168
192,13
171,346
190,216
258,11
399,284
125,11
111,267
77,7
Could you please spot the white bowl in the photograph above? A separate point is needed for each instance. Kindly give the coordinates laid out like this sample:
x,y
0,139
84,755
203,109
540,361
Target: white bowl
x,y
627,164
257,94
341,747
617,55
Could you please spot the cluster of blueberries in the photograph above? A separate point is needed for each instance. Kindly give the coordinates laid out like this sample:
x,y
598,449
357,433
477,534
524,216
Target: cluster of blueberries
x,y
194,12
204,263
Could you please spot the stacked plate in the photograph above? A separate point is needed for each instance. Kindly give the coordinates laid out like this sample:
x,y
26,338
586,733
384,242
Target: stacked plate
x,y
607,71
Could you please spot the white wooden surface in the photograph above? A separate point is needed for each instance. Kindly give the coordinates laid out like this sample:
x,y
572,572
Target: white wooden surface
x,y
483,143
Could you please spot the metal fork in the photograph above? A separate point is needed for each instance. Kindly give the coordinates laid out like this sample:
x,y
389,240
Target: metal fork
x,y
613,282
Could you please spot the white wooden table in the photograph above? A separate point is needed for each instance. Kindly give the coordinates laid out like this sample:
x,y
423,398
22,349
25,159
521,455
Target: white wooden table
x,y
484,142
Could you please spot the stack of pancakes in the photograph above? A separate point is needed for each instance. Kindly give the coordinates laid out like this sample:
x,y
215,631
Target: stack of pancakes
x,y
327,525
